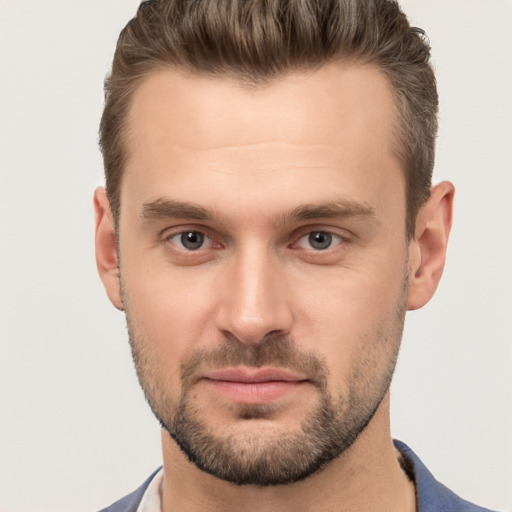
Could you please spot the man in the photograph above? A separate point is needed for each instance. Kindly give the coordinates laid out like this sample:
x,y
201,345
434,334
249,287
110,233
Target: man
x,y
268,218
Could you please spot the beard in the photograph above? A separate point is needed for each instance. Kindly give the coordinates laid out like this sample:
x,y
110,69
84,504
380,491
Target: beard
x,y
264,455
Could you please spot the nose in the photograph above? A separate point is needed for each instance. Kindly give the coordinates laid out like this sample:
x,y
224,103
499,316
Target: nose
x,y
254,299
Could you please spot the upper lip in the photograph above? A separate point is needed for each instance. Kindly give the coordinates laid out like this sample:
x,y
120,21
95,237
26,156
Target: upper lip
x,y
253,375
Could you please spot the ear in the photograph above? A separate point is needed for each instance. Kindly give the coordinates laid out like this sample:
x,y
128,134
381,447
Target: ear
x,y
106,253
427,252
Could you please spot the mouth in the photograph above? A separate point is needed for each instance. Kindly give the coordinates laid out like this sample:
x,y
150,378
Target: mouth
x,y
254,385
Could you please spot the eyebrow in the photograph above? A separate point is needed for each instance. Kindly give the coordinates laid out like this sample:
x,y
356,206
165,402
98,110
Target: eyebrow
x,y
166,208
341,208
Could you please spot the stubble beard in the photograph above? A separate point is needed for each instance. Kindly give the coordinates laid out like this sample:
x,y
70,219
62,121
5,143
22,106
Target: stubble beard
x,y
286,457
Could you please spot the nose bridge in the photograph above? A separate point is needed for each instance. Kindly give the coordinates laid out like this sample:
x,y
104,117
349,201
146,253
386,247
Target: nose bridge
x,y
254,301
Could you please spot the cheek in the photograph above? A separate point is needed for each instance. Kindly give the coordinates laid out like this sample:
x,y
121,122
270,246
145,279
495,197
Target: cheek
x,y
353,320
170,310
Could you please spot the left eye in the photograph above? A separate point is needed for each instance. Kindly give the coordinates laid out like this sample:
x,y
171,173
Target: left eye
x,y
319,240
190,240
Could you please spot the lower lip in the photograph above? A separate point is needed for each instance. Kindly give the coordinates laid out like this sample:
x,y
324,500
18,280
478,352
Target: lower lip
x,y
255,392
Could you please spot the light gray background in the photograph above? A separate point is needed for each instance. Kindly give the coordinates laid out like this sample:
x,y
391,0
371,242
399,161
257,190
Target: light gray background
x,y
75,433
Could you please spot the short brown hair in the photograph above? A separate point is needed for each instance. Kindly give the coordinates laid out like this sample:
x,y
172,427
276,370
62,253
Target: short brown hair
x,y
256,40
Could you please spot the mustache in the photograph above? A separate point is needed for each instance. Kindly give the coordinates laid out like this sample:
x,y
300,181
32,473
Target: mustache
x,y
273,350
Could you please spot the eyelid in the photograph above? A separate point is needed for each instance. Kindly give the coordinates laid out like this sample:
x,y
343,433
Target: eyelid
x,y
343,234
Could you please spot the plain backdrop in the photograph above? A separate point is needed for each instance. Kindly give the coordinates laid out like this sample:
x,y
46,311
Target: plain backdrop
x,y
75,432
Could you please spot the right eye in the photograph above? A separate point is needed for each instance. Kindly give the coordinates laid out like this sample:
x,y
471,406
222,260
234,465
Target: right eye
x,y
191,240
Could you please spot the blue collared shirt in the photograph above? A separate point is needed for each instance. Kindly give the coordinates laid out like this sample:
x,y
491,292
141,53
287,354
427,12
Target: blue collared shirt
x,y
431,496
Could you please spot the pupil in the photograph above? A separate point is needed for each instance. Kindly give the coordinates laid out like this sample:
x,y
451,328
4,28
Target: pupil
x,y
320,240
192,240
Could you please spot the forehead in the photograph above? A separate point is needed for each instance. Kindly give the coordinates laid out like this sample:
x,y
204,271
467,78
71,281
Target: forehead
x,y
305,130
308,103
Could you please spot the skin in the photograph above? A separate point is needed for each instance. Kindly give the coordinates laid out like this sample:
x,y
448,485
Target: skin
x,y
253,158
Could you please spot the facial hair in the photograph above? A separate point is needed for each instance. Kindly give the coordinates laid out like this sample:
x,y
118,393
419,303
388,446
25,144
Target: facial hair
x,y
278,458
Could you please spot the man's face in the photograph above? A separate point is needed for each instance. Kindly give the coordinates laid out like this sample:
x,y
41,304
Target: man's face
x,y
263,264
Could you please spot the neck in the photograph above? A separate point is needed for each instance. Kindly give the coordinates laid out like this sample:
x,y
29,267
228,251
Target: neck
x,y
367,476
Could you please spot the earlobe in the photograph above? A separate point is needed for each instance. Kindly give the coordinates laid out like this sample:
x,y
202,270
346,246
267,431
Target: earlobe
x,y
106,252
427,252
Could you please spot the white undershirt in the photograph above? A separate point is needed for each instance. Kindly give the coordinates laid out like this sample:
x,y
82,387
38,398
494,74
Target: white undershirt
x,y
152,500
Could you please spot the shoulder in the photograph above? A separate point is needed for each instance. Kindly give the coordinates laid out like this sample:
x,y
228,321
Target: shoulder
x,y
431,495
131,502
